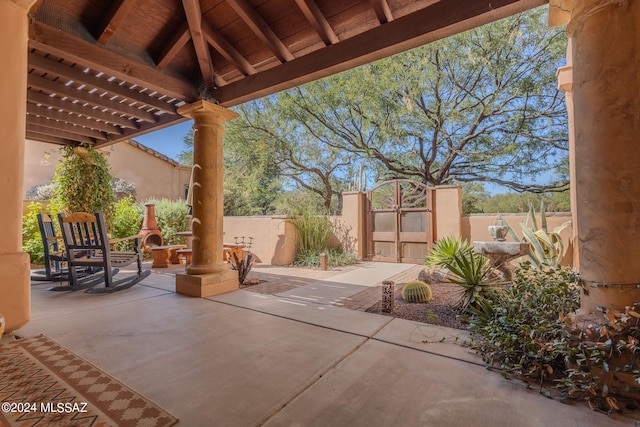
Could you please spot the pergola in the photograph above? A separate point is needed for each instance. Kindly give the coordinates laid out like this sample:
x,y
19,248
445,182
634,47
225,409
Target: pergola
x,y
99,72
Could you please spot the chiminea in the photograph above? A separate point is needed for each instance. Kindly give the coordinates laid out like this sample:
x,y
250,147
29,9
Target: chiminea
x,y
152,236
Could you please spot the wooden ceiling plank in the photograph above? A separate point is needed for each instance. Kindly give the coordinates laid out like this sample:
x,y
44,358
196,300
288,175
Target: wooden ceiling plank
x,y
72,118
318,21
222,45
58,69
440,20
82,95
79,130
79,108
382,10
58,43
59,133
119,11
261,29
47,138
175,45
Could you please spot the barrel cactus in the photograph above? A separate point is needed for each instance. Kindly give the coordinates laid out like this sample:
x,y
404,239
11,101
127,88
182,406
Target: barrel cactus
x,y
416,291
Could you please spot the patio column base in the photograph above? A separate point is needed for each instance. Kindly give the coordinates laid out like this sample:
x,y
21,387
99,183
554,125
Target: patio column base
x,y
15,292
207,285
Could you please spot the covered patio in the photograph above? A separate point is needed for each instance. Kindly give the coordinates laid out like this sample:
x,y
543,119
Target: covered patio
x,y
248,359
102,72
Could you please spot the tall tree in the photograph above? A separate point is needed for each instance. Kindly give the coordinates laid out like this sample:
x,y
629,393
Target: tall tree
x,y
478,107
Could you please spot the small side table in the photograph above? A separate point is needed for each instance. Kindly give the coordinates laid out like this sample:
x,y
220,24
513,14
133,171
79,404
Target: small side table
x,y
164,256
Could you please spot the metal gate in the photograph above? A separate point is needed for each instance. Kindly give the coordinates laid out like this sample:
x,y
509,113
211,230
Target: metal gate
x,y
399,221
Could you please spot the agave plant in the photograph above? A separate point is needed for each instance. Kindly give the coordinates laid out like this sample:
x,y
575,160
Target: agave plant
x,y
471,272
444,249
545,248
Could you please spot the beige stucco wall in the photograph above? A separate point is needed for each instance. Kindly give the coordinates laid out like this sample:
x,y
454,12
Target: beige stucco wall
x,y
353,211
447,211
273,238
152,176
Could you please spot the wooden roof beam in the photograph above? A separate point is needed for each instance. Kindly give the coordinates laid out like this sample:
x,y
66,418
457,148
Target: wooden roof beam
x,y
119,11
62,90
194,19
261,29
63,45
48,138
80,108
317,20
58,69
382,10
437,21
219,43
42,130
69,127
72,118
180,38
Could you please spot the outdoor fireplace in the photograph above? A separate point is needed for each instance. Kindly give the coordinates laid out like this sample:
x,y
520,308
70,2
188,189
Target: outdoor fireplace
x,y
151,235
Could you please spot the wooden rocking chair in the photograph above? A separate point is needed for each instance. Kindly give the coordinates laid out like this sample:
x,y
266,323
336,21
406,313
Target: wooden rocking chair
x,y
87,245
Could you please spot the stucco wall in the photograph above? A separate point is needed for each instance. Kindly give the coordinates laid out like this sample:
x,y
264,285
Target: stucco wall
x,y
273,238
152,176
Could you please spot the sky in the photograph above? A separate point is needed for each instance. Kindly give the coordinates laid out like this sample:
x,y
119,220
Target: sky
x,y
167,141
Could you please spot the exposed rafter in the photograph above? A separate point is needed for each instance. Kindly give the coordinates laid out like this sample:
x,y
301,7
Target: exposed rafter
x,y
73,119
180,38
382,10
194,19
317,20
119,11
253,19
225,49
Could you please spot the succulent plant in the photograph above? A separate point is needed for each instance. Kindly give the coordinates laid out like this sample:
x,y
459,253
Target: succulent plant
x,y
416,291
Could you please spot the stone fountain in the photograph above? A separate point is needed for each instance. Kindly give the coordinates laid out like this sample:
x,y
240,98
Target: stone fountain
x,y
499,251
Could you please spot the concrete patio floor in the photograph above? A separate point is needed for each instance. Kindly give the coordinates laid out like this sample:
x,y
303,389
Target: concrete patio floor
x,y
248,359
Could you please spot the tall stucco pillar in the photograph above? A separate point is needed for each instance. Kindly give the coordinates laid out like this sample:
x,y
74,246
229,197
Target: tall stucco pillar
x,y
606,60
207,275
353,217
15,291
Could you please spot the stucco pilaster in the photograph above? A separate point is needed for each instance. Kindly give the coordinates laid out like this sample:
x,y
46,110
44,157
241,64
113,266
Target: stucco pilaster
x,y
606,59
15,297
207,268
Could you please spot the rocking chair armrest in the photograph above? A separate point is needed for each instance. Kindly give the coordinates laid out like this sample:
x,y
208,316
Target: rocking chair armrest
x,y
122,239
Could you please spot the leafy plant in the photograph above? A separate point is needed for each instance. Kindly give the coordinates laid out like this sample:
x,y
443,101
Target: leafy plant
x,y
313,231
82,180
416,291
545,248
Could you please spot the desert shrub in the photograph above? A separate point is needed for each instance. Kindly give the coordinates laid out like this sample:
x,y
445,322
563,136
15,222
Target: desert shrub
x,y
444,249
41,193
416,291
172,218
335,258
122,189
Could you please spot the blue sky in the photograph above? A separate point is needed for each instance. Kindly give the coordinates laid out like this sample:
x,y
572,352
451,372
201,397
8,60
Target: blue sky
x,y
167,141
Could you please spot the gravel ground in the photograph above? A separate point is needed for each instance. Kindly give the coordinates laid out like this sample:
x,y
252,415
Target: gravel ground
x,y
437,312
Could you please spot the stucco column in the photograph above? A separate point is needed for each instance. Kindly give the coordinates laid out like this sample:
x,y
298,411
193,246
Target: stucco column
x,y
606,60
208,274
15,291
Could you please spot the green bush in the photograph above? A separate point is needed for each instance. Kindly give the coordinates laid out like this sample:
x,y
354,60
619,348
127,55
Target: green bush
x,y
31,239
172,218
524,331
444,249
127,220
314,232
